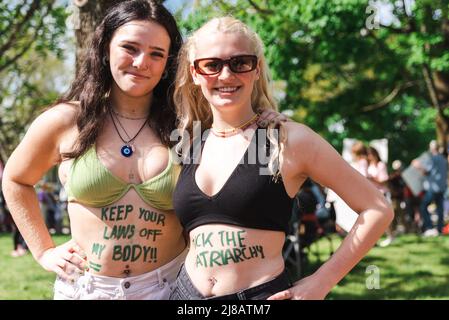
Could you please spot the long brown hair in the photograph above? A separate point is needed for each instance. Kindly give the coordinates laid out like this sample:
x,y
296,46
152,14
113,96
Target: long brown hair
x,y
373,152
94,80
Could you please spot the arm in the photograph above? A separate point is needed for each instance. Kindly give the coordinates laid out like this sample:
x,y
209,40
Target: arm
x,y
307,154
35,155
423,164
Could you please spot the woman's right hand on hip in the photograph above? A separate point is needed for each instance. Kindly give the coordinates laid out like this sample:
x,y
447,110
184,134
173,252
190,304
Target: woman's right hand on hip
x,y
68,260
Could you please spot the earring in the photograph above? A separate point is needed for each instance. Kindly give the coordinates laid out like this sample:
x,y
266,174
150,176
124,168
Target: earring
x,y
165,75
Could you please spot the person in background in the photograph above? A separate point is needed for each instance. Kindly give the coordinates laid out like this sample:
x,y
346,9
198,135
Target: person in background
x,y
20,246
50,207
345,217
412,207
306,204
377,171
396,185
360,158
434,168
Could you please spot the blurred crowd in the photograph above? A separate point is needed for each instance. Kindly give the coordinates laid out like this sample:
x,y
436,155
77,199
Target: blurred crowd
x,y
53,205
418,194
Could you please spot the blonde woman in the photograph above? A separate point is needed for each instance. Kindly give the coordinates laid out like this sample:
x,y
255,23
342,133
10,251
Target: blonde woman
x,y
235,204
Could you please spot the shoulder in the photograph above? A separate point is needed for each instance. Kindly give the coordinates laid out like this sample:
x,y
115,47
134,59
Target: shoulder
x,y
61,115
39,149
57,119
53,124
305,152
297,135
301,142
300,145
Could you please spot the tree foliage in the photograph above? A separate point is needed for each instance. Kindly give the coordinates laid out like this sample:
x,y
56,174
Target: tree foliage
x,y
32,47
346,73
32,25
349,73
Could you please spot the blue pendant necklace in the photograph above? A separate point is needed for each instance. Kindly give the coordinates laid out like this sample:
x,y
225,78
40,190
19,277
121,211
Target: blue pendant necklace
x,y
127,149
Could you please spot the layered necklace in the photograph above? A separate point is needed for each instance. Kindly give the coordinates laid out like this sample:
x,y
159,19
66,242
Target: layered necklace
x,y
231,131
127,149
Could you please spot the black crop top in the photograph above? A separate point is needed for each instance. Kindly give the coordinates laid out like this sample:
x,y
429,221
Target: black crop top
x,y
247,199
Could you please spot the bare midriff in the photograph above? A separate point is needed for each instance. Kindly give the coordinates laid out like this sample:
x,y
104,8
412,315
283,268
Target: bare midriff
x,y
225,259
126,238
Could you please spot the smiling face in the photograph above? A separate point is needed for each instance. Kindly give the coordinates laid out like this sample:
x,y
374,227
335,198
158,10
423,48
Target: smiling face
x,y
138,54
225,90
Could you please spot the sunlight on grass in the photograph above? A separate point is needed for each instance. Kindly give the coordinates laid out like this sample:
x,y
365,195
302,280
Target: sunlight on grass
x,y
23,278
411,268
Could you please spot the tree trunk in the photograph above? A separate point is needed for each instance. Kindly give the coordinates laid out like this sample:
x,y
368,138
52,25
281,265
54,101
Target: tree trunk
x,y
441,82
438,87
90,14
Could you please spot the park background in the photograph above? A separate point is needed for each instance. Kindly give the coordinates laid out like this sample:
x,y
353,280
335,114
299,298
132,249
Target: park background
x,y
354,69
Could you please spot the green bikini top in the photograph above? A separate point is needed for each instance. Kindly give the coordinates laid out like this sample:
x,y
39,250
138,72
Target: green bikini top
x,y
92,184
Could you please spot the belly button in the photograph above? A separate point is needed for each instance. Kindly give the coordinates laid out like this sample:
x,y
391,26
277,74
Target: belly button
x,y
212,281
127,271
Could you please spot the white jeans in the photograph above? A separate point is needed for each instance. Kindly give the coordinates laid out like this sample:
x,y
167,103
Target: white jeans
x,y
154,285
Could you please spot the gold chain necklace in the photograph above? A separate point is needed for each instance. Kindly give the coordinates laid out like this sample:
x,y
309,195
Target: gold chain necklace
x,y
229,132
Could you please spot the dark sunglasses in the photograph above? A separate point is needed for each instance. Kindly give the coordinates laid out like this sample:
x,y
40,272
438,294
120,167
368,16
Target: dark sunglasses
x,y
237,64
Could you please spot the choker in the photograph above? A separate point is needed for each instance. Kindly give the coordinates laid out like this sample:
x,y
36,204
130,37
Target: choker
x,y
126,117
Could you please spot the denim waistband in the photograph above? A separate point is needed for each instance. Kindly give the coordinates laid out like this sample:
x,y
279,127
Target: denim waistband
x,y
188,291
281,282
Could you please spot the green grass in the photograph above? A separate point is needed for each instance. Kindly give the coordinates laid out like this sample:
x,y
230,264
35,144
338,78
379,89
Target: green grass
x,y
22,278
411,268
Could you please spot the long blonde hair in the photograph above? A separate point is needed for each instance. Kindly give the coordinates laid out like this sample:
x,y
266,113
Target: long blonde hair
x,y
190,103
